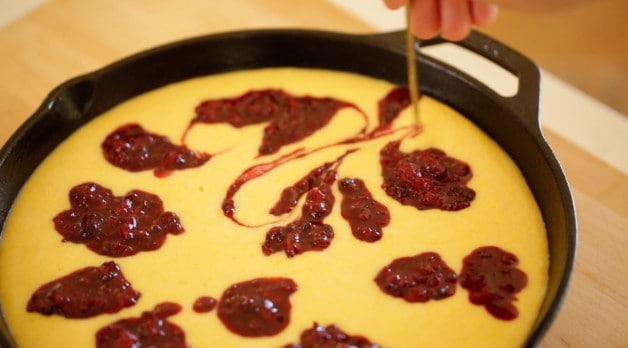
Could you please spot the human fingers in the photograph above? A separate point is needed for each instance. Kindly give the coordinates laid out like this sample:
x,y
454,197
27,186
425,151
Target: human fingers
x,y
482,13
455,16
425,18
394,4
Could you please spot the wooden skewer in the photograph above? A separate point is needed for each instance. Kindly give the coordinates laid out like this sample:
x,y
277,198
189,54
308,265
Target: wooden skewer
x,y
413,74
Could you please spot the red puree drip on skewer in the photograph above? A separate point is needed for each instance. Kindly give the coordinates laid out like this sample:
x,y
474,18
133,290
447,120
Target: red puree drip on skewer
x,y
85,293
365,215
426,179
132,148
290,118
331,336
116,226
492,278
150,330
258,307
418,278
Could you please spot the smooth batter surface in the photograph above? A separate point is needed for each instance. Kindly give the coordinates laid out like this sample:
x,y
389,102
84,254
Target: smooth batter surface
x,y
336,285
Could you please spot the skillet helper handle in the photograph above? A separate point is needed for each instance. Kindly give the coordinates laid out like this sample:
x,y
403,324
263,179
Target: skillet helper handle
x,y
524,104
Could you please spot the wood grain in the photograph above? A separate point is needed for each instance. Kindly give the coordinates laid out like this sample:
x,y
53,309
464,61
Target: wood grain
x,y
65,38
585,45
595,311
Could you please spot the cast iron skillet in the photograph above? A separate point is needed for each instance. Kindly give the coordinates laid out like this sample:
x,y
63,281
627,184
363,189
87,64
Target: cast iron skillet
x,y
511,121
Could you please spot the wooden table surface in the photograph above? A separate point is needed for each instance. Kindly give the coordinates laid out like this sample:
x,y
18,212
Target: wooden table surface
x,y
65,38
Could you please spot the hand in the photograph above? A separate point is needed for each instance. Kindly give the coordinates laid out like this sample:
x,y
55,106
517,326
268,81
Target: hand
x,y
453,19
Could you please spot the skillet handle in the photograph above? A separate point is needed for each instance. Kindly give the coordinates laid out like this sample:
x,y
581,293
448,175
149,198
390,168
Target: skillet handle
x,y
524,104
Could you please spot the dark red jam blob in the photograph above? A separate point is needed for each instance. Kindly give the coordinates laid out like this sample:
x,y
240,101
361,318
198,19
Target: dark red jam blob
x,y
365,215
492,278
132,148
427,179
331,337
319,202
204,304
116,226
291,118
85,293
150,330
258,307
253,107
298,237
307,232
290,195
418,278
391,105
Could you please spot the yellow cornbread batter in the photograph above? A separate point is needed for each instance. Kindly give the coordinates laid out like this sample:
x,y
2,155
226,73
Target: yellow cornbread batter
x,y
335,286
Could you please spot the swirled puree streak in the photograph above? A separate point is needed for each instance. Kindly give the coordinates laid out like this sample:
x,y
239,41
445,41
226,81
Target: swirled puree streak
x,y
290,226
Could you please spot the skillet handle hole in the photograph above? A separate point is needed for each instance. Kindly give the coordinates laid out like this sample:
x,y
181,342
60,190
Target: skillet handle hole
x,y
500,80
